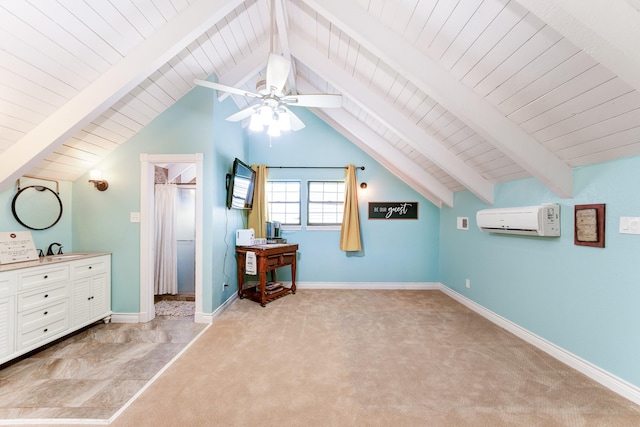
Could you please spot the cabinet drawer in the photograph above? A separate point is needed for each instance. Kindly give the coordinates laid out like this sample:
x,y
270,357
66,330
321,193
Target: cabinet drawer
x,y
43,317
32,278
280,260
35,336
7,284
42,298
89,266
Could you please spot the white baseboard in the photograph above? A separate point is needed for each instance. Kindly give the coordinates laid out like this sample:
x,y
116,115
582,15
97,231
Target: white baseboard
x,y
371,285
125,317
198,318
607,379
211,317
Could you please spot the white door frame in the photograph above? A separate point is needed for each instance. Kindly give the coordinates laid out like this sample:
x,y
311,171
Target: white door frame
x,y
147,226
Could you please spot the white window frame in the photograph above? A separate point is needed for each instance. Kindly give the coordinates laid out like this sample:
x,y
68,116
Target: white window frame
x,y
286,226
331,226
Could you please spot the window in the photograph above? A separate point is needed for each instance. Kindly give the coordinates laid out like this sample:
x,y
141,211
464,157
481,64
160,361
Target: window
x,y
283,202
326,202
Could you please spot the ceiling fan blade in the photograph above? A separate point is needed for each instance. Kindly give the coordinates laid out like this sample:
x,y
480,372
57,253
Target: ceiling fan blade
x,y
242,114
225,88
320,101
277,72
296,123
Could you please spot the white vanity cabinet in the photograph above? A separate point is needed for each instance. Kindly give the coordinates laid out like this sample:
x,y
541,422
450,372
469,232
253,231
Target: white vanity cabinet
x,y
7,314
48,299
91,289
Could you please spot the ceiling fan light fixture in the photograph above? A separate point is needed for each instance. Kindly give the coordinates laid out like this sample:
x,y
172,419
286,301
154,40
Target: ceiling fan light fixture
x,y
285,121
256,124
272,94
266,112
274,128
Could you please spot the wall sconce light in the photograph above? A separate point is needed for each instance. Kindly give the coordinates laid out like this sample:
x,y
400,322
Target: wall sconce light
x,y
363,185
96,178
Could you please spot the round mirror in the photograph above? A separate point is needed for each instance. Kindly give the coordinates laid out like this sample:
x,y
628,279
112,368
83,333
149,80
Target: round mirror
x,y
37,207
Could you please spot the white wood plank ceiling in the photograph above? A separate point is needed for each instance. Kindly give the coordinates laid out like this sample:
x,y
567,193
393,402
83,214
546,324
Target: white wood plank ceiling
x,y
447,94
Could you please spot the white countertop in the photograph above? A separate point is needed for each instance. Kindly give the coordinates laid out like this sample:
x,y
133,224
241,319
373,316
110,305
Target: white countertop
x,y
51,259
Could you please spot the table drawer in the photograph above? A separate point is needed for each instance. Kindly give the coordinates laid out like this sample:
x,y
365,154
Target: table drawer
x,y
89,266
43,317
33,278
44,333
280,260
42,298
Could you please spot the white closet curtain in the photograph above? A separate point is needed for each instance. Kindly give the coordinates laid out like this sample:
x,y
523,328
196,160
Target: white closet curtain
x,y
166,271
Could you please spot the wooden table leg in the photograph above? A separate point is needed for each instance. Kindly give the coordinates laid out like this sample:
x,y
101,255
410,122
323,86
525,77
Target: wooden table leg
x,y
241,261
263,284
293,275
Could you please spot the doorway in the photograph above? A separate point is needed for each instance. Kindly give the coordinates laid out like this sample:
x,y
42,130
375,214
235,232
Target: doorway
x,y
147,226
186,241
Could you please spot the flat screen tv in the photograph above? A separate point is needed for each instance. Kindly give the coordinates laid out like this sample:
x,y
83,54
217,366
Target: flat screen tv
x,y
240,184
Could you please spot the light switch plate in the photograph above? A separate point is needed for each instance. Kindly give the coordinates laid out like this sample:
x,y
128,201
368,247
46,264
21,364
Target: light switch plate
x,y
630,225
134,216
463,223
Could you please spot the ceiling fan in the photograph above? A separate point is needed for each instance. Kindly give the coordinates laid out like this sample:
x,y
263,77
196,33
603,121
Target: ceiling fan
x,y
272,109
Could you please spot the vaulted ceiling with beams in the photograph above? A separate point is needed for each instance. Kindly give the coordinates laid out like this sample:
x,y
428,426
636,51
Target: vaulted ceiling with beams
x,y
446,94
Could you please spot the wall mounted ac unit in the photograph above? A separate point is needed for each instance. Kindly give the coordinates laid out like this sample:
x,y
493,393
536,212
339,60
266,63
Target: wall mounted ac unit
x,y
541,220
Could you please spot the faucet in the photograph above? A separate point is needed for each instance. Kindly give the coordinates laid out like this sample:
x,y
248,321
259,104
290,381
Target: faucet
x,y
50,249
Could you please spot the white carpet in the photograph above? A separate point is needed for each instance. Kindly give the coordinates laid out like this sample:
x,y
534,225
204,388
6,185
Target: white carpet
x,y
175,308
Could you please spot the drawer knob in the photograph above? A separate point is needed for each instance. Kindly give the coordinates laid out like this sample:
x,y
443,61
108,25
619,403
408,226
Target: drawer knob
x,y
46,295
45,313
45,330
46,277
90,267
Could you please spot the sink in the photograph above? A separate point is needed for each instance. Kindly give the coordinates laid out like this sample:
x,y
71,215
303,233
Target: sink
x,y
68,256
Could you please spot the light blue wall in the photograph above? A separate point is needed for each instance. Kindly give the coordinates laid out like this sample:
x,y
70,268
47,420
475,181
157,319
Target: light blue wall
x,y
229,143
583,299
101,219
60,233
393,250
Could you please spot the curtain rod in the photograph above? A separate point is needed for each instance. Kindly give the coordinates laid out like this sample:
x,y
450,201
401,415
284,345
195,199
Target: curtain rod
x,y
312,167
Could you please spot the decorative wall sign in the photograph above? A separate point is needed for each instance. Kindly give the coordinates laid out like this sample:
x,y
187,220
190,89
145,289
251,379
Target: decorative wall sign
x,y
589,225
17,246
393,210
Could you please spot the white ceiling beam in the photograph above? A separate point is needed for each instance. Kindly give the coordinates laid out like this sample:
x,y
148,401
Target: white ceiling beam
x,y
282,25
609,30
388,156
393,119
460,100
120,79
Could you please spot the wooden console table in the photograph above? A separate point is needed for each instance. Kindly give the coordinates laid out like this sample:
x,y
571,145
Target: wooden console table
x,y
269,257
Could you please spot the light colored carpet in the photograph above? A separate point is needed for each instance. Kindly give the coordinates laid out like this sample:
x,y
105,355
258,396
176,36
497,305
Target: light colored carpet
x,y
369,358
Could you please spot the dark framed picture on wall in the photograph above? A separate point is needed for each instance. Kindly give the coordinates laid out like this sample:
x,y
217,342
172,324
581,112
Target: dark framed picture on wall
x,y
589,225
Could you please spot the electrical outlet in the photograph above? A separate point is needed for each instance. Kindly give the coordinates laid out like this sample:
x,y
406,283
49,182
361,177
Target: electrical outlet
x,y
224,285
467,283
